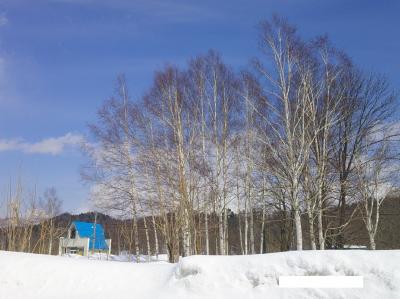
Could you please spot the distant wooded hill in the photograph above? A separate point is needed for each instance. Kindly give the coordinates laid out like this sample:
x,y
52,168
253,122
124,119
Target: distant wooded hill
x,y
278,233
277,237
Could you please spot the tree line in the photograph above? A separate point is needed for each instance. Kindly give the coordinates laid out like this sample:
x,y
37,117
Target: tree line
x,y
302,133
29,223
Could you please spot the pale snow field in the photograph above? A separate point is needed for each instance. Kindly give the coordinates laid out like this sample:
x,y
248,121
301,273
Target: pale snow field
x,y
120,258
25,276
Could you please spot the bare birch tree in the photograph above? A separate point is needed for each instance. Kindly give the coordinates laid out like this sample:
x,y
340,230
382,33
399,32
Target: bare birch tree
x,y
289,107
376,175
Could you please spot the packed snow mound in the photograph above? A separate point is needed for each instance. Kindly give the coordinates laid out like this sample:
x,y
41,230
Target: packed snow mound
x,y
256,276
39,276
124,257
24,275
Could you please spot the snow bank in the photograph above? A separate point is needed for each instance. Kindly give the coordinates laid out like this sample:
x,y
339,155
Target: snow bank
x,y
257,276
26,276
39,276
120,258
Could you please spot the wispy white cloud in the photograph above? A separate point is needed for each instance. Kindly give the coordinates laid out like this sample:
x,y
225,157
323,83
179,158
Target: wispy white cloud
x,y
2,70
176,11
3,81
53,145
72,1
3,19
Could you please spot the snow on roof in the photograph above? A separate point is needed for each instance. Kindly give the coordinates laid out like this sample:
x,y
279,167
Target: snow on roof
x,y
85,230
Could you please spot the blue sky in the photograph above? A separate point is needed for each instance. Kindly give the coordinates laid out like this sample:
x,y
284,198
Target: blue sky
x,y
59,60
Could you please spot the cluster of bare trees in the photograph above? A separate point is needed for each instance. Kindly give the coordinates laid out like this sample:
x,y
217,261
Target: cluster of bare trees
x,y
302,133
28,224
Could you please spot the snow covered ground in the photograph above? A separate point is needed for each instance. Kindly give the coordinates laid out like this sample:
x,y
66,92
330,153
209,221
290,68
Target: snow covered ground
x,y
120,258
39,276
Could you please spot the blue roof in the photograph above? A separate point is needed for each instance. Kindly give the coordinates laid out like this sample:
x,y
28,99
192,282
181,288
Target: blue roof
x,y
85,230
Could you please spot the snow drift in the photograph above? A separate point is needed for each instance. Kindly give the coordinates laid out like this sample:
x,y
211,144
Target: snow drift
x,y
38,276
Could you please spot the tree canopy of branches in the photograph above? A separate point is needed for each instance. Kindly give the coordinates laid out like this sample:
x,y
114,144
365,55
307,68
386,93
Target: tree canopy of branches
x,y
286,135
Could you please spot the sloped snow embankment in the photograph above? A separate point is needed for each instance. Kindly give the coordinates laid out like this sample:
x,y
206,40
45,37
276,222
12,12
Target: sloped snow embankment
x,y
38,276
26,276
257,276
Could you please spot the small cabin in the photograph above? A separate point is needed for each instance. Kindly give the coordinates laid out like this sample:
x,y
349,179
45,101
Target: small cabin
x,y
84,237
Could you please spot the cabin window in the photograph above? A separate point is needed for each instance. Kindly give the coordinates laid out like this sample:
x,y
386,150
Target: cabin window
x,y
73,233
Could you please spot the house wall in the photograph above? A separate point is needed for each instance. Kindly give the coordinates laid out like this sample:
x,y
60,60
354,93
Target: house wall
x,y
77,242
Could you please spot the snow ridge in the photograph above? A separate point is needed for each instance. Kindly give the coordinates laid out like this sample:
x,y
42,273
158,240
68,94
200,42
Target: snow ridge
x,y
25,275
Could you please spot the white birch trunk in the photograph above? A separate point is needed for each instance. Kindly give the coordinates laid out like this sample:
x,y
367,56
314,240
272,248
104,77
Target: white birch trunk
x,y
146,231
207,234
262,229
299,233
157,250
